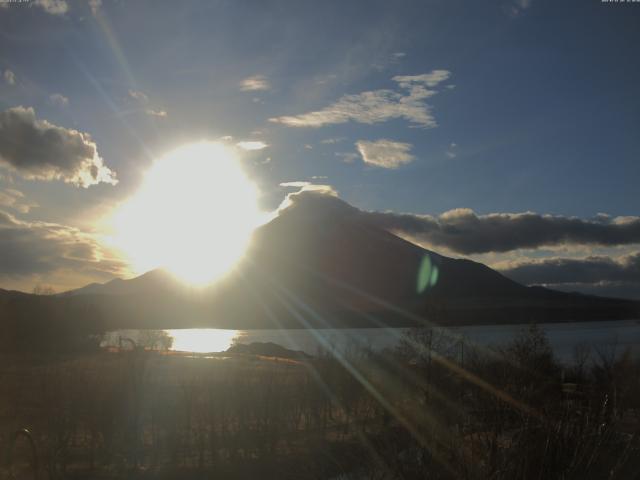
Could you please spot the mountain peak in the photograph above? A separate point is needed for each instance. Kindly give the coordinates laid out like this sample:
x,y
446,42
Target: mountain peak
x,y
319,205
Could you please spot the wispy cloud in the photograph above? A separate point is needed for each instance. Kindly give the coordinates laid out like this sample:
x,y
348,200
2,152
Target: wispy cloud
x,y
517,7
53,7
9,77
591,269
255,83
95,6
139,96
452,150
14,199
41,248
408,102
385,153
143,99
156,113
305,186
305,189
334,140
347,157
58,100
429,79
296,184
252,145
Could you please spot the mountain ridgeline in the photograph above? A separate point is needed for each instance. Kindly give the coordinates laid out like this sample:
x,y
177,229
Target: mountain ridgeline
x,y
319,263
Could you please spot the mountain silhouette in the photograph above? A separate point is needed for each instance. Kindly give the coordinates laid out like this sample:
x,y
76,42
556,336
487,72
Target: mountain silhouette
x,y
320,263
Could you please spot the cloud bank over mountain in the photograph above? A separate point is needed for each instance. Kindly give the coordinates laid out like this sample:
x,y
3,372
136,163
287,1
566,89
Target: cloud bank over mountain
x,y
464,232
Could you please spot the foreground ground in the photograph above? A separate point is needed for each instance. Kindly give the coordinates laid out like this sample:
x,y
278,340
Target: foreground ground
x,y
427,409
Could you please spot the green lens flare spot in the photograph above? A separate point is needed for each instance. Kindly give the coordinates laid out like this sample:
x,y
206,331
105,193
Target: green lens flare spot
x,y
427,274
434,276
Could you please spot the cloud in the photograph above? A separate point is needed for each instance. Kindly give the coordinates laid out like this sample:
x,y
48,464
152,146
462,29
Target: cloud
x,y
9,77
53,7
143,99
378,105
323,79
347,157
255,83
58,100
39,150
385,61
385,153
305,189
39,248
452,151
517,7
589,270
95,6
332,141
157,113
429,79
139,96
295,184
14,199
463,231
304,186
252,145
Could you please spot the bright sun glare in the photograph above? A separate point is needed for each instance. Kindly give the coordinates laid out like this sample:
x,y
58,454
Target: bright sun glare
x,y
193,215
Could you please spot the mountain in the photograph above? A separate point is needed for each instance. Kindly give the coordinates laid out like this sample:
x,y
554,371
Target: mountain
x,y
320,263
151,282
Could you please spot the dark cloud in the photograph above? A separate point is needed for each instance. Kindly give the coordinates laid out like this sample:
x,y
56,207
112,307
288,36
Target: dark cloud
x,y
463,231
37,149
39,248
590,270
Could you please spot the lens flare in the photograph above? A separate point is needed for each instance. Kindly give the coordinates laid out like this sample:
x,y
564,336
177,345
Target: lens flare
x,y
427,274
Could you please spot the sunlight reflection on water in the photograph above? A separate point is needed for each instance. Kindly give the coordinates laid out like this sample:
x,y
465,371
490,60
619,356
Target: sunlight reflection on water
x,y
563,337
202,340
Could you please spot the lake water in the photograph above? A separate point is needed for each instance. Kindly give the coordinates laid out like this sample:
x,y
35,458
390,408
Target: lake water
x,y
606,336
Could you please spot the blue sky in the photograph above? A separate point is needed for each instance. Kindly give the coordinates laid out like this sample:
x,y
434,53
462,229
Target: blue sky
x,y
535,108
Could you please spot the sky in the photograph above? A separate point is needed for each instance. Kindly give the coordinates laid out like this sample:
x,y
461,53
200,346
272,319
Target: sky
x,y
505,131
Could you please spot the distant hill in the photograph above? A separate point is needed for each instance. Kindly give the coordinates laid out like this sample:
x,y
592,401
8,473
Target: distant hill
x,y
154,281
320,263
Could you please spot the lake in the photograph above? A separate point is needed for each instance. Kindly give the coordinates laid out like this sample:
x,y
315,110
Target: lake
x,y
606,336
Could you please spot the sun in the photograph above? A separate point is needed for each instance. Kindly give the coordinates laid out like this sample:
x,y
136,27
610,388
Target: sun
x,y
193,215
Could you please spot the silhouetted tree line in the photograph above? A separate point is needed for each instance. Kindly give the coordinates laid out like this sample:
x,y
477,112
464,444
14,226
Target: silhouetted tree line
x,y
48,324
434,407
